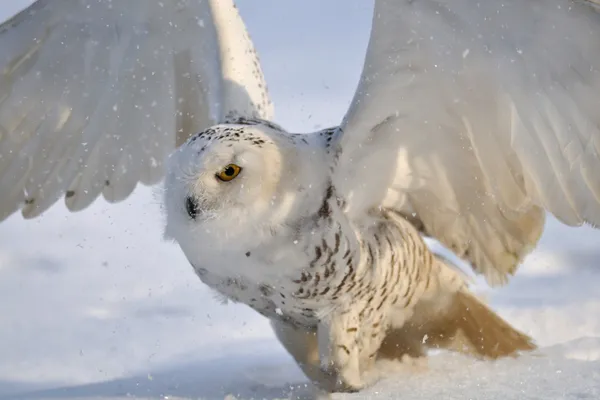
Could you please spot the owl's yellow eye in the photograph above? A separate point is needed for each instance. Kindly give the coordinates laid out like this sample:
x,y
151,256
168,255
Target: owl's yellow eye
x,y
229,172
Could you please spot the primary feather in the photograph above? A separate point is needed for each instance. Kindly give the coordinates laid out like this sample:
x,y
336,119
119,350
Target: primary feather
x,y
474,117
95,94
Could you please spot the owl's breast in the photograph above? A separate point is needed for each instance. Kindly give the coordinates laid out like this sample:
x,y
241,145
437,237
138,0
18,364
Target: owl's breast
x,y
273,300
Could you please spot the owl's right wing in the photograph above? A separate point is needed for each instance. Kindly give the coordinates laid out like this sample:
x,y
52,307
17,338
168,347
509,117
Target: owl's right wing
x,y
94,94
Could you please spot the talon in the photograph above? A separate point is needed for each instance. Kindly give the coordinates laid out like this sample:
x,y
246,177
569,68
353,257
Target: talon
x,y
334,383
345,388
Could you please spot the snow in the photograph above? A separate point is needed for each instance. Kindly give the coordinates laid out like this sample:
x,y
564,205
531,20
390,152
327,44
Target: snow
x,y
95,305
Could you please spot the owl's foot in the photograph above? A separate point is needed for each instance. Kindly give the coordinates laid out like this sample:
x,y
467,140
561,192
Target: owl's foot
x,y
334,382
339,354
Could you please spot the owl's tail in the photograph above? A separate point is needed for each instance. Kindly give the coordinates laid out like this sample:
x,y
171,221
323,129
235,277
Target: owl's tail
x,y
456,320
470,326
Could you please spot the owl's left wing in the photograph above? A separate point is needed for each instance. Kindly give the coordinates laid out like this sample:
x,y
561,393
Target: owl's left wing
x,y
475,116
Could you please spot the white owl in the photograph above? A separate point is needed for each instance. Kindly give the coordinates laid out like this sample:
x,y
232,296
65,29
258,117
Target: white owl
x,y
471,119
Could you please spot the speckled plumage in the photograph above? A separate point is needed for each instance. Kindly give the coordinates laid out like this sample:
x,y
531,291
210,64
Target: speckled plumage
x,y
307,265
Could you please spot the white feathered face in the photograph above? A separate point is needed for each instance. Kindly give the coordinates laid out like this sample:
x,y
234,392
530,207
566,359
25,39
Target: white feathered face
x,y
235,182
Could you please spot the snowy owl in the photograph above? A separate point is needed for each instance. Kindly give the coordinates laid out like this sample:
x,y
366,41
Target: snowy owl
x,y
471,120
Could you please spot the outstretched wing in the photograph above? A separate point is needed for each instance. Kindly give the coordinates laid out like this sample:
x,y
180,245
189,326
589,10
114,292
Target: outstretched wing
x,y
94,94
473,116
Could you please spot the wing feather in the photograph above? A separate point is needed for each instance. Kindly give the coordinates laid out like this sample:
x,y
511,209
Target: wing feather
x,y
476,117
94,94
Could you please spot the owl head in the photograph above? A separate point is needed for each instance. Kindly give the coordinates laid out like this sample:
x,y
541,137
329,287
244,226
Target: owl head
x,y
234,184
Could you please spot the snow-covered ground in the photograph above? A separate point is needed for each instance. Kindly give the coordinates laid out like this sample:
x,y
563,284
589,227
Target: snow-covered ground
x,y
96,305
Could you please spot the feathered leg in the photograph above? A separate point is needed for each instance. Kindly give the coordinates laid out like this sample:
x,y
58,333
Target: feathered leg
x,y
303,346
323,357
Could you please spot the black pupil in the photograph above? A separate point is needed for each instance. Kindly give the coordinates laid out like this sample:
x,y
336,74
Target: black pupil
x,y
229,171
191,206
